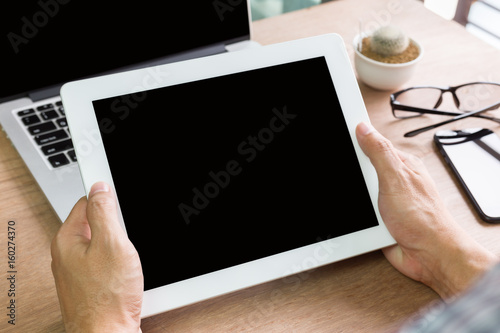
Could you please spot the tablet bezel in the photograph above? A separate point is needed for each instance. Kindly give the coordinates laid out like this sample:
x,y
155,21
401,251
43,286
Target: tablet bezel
x,y
78,96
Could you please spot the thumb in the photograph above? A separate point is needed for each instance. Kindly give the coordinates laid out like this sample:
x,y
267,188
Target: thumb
x,y
102,212
75,230
379,150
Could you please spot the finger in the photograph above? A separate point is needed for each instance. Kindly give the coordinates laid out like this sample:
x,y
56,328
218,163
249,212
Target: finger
x,y
76,223
102,213
75,230
380,150
395,255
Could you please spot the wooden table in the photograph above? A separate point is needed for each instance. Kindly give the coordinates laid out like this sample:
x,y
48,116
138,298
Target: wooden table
x,y
363,294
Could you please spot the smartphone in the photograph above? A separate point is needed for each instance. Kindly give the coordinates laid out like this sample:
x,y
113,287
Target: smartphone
x,y
474,157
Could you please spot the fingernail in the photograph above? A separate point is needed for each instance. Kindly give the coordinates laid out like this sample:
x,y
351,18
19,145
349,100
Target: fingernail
x,y
365,128
99,187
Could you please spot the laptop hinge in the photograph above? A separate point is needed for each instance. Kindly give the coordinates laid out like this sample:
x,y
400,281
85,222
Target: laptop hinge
x,y
41,94
243,45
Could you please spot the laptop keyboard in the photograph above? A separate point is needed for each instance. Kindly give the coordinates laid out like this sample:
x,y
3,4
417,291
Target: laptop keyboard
x,y
47,126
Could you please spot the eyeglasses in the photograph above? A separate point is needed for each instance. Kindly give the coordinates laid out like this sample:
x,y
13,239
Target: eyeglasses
x,y
471,99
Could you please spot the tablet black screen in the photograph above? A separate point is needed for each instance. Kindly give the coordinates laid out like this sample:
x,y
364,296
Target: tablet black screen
x,y
222,171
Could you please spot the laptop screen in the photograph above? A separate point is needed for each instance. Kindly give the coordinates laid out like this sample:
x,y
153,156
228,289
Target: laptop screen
x,y
50,42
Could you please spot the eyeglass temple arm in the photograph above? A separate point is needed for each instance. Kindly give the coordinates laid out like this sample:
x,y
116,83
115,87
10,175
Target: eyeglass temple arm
x,y
462,116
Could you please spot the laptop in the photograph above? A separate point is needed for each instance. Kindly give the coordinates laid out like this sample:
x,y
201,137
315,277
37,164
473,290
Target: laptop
x,y
49,42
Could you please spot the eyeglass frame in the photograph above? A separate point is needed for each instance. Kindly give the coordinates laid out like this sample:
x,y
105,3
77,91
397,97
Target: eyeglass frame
x,y
396,105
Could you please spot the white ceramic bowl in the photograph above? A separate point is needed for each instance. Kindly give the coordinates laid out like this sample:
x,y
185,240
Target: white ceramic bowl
x,y
381,75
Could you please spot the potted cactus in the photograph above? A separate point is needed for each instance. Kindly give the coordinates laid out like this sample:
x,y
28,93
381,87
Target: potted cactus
x,y
389,40
389,44
386,59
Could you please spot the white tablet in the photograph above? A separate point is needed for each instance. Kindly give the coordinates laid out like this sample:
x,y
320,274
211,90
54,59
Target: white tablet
x,y
232,170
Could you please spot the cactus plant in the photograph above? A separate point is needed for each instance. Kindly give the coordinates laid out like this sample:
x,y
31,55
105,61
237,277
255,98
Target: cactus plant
x,y
389,40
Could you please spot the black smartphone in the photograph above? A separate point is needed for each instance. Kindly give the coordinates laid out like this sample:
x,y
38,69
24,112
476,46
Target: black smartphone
x,y
474,157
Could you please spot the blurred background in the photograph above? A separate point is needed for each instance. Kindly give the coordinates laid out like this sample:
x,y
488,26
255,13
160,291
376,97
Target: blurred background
x,y
267,8
480,17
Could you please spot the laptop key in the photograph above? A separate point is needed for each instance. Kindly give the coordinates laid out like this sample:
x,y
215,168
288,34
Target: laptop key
x,y
57,147
51,137
30,120
25,112
49,115
42,128
58,160
45,107
72,155
62,122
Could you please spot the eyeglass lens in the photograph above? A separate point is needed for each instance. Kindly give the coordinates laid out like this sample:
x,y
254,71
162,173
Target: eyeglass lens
x,y
477,96
426,98
471,97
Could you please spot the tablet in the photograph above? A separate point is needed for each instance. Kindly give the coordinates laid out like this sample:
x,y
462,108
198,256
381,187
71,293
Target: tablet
x,y
232,170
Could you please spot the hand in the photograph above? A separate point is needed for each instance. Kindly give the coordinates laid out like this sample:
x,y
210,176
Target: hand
x,y
96,268
432,248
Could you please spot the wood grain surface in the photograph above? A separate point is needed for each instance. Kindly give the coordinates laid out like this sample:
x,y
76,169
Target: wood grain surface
x,y
362,294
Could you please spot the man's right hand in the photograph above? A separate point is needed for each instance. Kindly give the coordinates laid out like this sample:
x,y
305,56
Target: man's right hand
x,y
431,247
